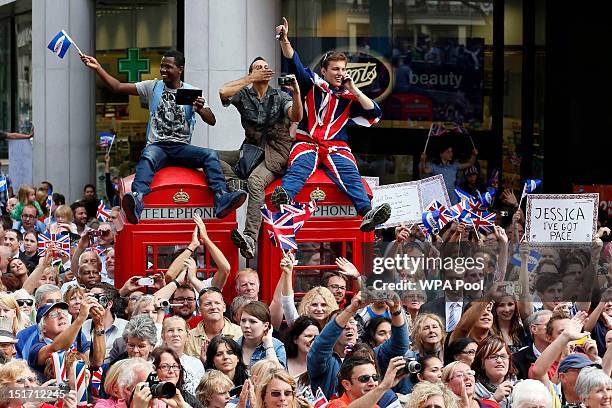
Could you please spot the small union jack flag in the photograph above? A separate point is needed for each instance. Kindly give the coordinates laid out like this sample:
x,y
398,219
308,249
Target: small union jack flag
x,y
103,212
57,242
483,221
98,249
486,199
280,228
80,381
457,127
430,221
437,130
301,213
445,215
49,199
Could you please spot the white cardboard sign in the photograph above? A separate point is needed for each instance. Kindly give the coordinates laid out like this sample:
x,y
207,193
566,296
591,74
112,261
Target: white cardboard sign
x,y
408,199
561,218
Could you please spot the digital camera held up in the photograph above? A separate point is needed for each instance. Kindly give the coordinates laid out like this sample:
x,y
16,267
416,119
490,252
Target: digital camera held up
x,y
160,389
412,366
101,298
285,80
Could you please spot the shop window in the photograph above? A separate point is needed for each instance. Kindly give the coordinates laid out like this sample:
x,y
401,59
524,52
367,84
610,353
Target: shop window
x,y
422,61
131,38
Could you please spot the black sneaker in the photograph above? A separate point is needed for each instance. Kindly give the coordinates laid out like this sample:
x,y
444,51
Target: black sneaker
x,y
374,217
279,197
245,242
132,206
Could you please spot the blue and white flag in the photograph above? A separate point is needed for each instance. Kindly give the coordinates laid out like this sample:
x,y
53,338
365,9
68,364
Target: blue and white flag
x,y
532,261
60,44
106,139
3,184
530,186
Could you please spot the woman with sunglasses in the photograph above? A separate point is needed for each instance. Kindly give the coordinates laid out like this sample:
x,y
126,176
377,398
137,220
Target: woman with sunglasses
x,y
276,389
224,354
494,371
25,301
168,367
9,309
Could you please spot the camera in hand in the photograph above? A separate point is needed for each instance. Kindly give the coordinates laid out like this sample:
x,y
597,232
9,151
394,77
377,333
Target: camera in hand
x,y
285,80
101,298
412,367
160,389
96,232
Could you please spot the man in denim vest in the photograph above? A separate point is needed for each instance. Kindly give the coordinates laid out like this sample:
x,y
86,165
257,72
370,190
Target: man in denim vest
x,y
169,135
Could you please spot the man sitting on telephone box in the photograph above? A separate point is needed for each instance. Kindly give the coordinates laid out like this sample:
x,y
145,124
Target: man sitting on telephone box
x,y
169,135
330,103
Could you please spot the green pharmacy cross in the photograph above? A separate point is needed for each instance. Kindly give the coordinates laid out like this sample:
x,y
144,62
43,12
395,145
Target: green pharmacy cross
x,y
133,65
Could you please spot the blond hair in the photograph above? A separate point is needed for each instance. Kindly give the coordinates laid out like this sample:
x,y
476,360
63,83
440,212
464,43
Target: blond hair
x,y
447,371
12,370
425,389
169,320
417,328
310,296
262,385
262,367
20,321
212,382
66,212
112,375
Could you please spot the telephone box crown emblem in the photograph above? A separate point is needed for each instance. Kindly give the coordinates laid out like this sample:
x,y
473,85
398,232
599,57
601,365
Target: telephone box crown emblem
x,y
180,197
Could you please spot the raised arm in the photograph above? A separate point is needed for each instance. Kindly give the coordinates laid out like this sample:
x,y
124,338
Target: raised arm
x,y
32,281
201,108
286,283
424,166
111,82
231,88
526,298
470,162
179,263
296,112
223,265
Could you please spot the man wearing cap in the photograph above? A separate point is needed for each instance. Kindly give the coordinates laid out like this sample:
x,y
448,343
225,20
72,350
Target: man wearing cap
x,y
569,367
7,341
57,333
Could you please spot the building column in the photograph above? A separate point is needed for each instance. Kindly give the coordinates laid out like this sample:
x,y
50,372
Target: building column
x,y
63,97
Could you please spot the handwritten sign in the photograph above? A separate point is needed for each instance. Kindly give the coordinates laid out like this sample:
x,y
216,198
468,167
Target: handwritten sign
x,y
404,199
561,218
372,181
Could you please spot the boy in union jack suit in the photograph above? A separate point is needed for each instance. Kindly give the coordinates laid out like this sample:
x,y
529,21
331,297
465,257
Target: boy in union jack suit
x,y
330,103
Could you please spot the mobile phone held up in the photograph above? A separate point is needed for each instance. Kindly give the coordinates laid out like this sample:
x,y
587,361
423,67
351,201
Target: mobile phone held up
x,y
146,282
235,392
187,96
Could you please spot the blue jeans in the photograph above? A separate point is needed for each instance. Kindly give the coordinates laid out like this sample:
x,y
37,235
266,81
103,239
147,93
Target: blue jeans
x,y
159,155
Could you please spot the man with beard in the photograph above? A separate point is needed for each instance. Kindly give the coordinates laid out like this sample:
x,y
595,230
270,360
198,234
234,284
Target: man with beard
x,y
263,113
185,296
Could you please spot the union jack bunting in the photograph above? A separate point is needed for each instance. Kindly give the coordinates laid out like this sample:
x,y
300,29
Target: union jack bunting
x,y
301,213
280,228
483,221
103,212
59,242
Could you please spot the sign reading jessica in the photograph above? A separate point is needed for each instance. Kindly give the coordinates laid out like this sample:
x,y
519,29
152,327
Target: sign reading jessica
x,y
407,200
176,213
561,218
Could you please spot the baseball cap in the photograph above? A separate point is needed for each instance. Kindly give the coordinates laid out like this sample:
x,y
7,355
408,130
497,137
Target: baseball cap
x,y
46,308
576,360
471,170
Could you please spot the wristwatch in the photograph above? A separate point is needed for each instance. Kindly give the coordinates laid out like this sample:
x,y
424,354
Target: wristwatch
x,y
397,312
99,332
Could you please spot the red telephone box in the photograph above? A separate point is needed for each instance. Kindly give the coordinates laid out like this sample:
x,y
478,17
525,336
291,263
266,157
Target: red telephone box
x,y
166,225
332,231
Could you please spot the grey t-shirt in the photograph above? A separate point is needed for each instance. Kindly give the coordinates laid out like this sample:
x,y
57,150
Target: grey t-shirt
x,y
169,122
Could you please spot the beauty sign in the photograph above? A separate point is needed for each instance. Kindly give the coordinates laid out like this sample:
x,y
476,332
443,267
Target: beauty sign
x,y
561,218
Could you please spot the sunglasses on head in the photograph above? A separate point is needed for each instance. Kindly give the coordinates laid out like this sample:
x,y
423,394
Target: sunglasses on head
x,y
366,378
210,289
25,302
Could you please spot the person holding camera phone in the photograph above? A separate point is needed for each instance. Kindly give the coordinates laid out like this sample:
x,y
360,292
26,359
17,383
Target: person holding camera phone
x,y
169,135
107,296
330,103
265,113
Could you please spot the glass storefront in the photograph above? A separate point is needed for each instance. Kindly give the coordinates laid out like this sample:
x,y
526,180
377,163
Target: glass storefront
x,y
23,36
5,82
131,37
422,61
